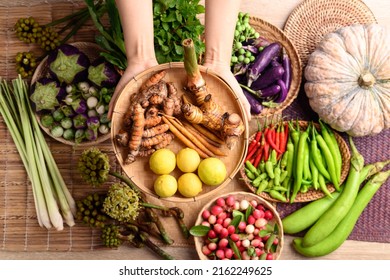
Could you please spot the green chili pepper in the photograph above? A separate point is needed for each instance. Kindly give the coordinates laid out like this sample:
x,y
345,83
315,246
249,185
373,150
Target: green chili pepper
x,y
283,176
306,165
273,157
251,168
316,155
331,141
314,173
263,185
261,167
269,168
299,163
277,173
284,160
277,195
329,161
249,174
258,179
323,187
290,161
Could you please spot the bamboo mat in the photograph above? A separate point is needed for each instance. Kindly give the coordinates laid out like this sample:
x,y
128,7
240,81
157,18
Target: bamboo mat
x,y
19,230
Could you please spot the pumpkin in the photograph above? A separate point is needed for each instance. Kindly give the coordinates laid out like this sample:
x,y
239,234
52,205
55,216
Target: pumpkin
x,y
348,79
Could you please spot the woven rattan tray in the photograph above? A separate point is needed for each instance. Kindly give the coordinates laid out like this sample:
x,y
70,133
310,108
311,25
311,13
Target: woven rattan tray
x,y
311,194
312,19
274,34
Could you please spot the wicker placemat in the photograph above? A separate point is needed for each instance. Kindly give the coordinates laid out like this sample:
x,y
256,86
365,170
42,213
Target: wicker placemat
x,y
312,19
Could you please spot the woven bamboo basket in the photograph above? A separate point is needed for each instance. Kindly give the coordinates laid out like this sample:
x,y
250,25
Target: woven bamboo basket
x,y
92,50
311,194
139,170
274,34
312,19
199,241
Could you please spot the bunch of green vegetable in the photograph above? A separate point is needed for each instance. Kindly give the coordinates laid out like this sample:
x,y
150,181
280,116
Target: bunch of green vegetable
x,y
122,212
329,221
53,201
73,101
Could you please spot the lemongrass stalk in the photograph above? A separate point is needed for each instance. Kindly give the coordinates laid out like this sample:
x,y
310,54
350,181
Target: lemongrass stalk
x,y
65,199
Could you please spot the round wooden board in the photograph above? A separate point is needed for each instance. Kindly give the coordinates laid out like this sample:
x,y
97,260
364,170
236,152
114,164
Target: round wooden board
x,y
139,171
274,34
91,50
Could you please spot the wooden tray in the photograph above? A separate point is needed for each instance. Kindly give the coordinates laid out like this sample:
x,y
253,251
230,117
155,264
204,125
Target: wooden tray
x,y
139,170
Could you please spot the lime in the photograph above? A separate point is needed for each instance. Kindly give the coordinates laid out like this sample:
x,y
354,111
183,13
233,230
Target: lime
x,y
162,161
187,160
212,171
189,185
165,185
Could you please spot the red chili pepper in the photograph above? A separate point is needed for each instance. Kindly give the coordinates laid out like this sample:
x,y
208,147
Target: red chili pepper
x,y
271,140
258,157
252,151
252,145
266,151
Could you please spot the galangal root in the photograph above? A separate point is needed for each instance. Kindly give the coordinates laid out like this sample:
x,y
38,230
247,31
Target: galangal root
x,y
143,130
206,111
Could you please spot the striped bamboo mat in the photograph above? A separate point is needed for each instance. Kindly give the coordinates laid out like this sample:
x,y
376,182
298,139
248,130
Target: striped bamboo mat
x,y
19,230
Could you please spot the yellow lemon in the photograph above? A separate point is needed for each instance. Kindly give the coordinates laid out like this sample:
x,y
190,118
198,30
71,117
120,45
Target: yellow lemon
x,y
212,171
187,160
189,185
165,185
162,161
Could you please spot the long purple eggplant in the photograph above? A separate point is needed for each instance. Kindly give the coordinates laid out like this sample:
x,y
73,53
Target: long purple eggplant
x,y
283,92
255,104
263,93
286,63
269,77
262,61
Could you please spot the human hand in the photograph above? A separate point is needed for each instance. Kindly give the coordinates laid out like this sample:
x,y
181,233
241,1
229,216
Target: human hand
x,y
133,69
224,72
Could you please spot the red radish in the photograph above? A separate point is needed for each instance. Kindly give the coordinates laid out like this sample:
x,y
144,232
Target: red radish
x,y
219,221
205,223
222,215
269,256
251,220
242,226
231,230
260,223
220,254
223,243
212,246
258,213
234,237
224,233
217,228
212,219
226,222
250,228
206,250
211,234
228,253
216,209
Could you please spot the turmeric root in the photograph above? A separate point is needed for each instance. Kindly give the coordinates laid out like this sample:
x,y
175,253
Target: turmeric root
x,y
136,133
172,93
152,121
153,80
165,142
152,141
146,152
153,131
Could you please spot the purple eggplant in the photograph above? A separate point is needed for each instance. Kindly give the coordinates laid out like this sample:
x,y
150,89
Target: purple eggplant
x,y
286,63
267,92
79,106
268,77
255,104
261,42
283,92
68,64
47,94
262,61
102,73
91,134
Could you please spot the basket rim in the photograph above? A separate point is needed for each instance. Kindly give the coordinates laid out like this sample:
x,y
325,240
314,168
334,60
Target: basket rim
x,y
310,195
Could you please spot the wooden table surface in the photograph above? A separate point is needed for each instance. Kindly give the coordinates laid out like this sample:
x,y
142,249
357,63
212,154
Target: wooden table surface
x,y
275,12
